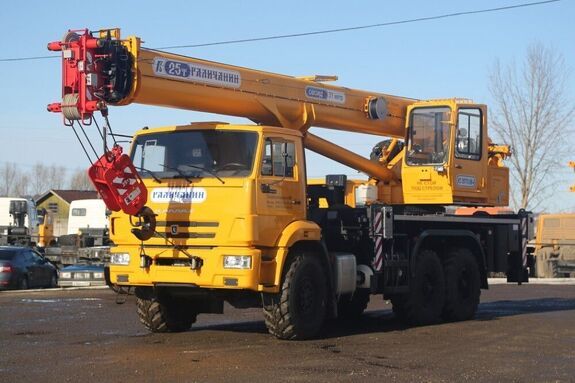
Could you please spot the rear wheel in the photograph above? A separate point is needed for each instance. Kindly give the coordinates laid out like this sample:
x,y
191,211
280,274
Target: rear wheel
x,y
424,302
462,285
163,313
23,284
298,311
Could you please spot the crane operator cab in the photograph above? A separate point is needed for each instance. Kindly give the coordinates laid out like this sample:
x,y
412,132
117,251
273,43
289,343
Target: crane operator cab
x,y
447,156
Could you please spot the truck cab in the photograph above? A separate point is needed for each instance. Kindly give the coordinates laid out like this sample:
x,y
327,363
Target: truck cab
x,y
232,196
18,221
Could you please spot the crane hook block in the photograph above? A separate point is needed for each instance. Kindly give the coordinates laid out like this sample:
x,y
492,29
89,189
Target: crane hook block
x,y
116,179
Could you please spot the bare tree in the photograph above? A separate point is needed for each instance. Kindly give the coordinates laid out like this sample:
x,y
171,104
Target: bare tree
x,y
21,187
44,178
532,113
57,176
80,181
8,176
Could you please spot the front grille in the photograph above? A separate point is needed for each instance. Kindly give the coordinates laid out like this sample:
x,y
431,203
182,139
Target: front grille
x,y
177,262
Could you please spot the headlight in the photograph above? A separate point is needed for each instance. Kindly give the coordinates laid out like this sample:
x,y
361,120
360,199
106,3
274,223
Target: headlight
x,y
120,259
237,262
65,275
98,275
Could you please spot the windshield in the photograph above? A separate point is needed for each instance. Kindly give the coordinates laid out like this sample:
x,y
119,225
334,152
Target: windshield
x,y
428,141
195,153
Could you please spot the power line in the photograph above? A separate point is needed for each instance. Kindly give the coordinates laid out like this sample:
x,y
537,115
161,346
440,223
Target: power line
x,y
322,32
429,18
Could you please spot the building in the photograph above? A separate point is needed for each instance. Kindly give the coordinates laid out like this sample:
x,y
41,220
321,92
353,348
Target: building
x,y
57,202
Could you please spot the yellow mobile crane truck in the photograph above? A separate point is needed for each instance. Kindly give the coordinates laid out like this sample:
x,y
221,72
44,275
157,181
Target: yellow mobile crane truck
x,y
230,217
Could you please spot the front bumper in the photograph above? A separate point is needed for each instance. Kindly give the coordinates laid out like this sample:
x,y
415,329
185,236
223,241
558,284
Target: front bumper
x,y
81,283
169,266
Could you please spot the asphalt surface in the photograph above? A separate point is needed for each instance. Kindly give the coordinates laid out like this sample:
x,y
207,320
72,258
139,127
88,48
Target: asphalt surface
x,y
520,334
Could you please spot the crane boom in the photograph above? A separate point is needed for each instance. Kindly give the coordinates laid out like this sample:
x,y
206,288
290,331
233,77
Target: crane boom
x,y
107,70
263,97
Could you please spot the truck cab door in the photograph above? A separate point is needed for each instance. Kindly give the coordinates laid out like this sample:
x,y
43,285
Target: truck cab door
x,y
280,194
469,162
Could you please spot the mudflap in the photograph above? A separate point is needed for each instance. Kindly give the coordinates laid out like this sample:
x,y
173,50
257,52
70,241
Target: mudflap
x,y
517,261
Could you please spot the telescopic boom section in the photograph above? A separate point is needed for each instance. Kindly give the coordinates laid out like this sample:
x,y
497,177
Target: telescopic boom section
x,y
101,70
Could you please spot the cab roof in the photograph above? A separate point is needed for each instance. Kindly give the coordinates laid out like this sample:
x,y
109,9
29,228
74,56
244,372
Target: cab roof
x,y
217,125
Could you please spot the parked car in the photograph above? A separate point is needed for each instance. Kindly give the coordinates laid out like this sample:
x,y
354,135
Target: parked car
x,y
85,274
23,268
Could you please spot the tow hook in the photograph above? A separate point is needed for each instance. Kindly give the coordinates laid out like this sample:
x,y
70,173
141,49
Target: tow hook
x,y
145,261
196,262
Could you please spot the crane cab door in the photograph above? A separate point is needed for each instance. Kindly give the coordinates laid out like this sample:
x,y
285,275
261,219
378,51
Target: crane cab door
x,y
469,161
424,173
280,194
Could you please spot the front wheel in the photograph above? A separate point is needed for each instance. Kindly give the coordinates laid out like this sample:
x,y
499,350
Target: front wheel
x,y
163,313
53,281
298,311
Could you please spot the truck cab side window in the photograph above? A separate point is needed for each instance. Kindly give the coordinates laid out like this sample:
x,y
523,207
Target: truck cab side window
x,y
468,138
279,158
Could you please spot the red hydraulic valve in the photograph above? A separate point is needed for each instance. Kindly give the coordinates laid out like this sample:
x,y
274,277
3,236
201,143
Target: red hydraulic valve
x,y
116,179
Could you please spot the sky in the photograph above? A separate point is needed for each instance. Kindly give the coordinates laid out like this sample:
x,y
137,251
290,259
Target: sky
x,y
449,57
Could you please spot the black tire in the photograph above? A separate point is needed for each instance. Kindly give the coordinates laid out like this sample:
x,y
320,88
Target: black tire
x,y
348,309
118,289
462,285
23,283
163,313
554,270
424,303
382,146
298,311
53,281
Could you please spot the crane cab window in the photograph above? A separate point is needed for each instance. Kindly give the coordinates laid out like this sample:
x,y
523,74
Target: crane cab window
x,y
428,139
279,158
468,138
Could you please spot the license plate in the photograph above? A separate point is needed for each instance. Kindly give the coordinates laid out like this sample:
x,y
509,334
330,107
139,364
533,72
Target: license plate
x,y
81,275
80,283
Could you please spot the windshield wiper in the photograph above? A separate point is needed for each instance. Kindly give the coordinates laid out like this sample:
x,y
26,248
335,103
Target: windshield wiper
x,y
181,173
156,179
212,173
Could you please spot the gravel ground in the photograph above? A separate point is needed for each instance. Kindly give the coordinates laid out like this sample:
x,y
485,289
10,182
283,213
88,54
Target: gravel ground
x,y
520,334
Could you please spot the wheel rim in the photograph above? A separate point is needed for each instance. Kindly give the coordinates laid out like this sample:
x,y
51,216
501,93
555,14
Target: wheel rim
x,y
306,297
463,285
428,288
